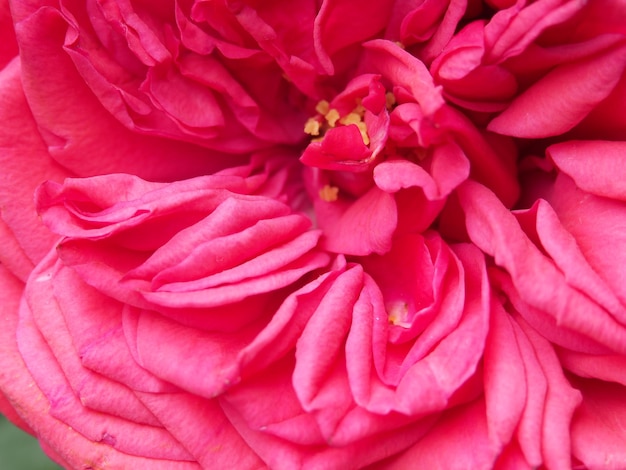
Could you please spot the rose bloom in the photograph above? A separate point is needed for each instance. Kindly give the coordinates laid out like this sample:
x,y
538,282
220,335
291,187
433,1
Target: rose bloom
x,y
320,235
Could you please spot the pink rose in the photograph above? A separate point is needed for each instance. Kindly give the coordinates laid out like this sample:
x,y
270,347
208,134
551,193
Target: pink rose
x,y
314,234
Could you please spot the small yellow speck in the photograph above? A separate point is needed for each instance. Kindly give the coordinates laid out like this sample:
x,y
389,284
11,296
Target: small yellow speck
x,y
364,135
360,109
352,118
323,107
390,100
329,193
332,117
312,127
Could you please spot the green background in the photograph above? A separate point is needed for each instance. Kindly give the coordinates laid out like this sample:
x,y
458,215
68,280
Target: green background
x,y
20,451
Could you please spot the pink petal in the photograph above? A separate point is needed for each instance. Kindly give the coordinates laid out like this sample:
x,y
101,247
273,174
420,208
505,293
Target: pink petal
x,y
204,429
597,428
505,379
562,247
360,227
560,404
608,170
73,122
65,445
402,69
563,97
25,163
534,276
597,225
44,361
511,31
8,43
268,416
608,368
458,440
332,33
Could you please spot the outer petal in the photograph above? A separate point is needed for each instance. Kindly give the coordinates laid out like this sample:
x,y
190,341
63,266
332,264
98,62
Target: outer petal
x,y
561,99
596,167
560,403
8,43
74,125
25,163
597,430
458,441
65,445
511,31
267,414
603,220
505,379
49,356
540,285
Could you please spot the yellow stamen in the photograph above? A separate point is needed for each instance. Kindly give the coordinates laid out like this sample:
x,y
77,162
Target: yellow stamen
x,y
329,193
312,127
352,118
323,107
364,135
332,117
360,109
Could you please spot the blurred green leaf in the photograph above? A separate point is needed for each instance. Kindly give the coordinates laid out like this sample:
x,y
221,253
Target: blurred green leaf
x,y
20,451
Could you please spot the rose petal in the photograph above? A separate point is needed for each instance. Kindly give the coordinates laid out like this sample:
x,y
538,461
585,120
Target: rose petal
x,y
597,431
542,286
562,98
604,158
74,124
25,163
460,436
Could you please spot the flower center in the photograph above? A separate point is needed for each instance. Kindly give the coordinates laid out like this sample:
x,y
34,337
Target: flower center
x,y
329,118
398,313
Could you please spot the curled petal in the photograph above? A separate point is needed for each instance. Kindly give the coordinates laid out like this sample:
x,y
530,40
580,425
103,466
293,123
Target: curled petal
x,y
541,285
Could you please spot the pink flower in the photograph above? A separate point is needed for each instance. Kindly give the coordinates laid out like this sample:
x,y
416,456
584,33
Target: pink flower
x,y
314,234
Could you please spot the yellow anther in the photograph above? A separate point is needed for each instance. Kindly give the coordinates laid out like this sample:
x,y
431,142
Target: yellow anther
x,y
360,109
390,100
312,127
329,193
332,117
323,107
363,129
352,118
400,45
